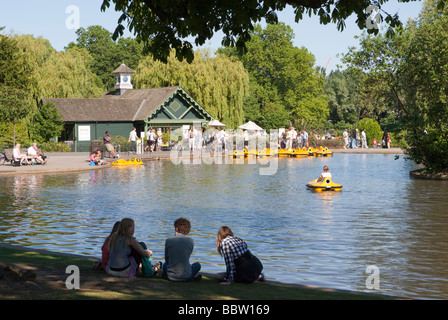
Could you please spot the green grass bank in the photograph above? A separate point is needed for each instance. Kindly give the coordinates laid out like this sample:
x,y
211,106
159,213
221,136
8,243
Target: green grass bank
x,y
49,283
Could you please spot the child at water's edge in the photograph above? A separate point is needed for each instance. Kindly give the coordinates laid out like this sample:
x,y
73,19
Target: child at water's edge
x,y
325,174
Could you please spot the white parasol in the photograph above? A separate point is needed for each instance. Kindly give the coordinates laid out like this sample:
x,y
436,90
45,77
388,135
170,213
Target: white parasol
x,y
250,126
216,123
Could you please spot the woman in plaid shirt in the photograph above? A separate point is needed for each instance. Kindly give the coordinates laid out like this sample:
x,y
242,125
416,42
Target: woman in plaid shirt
x,y
241,264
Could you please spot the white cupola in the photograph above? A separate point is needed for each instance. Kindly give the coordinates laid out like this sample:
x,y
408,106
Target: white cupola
x,y
123,79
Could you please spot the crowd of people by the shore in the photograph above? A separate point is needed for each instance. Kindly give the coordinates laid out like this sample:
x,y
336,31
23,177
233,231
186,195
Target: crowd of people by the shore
x,y
216,140
124,256
356,140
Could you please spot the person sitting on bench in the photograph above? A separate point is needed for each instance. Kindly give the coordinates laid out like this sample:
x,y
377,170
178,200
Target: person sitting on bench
x,y
33,153
18,156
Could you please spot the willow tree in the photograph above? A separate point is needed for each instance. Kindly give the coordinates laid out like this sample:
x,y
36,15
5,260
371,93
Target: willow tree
x,y
65,74
219,83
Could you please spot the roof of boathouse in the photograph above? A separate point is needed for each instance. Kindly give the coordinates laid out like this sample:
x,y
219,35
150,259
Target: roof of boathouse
x,y
132,105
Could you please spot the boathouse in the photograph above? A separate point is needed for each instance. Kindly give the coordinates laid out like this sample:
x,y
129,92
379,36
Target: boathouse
x,y
124,108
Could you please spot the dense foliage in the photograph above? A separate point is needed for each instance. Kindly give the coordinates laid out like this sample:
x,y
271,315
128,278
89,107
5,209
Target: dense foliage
x,y
285,85
395,80
424,75
164,25
219,84
403,84
107,54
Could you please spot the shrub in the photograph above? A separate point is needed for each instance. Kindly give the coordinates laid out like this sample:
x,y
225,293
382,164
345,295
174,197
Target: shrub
x,y
373,130
55,147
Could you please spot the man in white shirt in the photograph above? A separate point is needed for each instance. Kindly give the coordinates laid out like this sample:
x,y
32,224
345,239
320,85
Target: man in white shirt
x,y
345,138
133,138
191,138
32,152
289,138
364,139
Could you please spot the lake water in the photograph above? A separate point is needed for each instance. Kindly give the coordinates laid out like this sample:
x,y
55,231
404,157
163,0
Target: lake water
x,y
381,218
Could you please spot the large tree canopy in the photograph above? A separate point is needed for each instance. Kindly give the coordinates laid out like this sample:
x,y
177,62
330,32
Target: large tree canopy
x,y
284,84
106,53
163,25
218,83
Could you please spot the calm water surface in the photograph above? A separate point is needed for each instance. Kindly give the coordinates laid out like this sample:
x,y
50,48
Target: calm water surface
x,y
382,217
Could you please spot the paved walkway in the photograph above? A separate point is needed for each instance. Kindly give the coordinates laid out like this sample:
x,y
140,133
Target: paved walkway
x,y
63,162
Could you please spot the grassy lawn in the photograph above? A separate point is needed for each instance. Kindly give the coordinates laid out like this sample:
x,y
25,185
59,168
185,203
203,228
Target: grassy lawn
x,y
49,284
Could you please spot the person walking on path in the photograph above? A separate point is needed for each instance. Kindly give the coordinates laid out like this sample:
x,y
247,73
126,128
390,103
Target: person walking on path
x,y
132,138
345,138
364,139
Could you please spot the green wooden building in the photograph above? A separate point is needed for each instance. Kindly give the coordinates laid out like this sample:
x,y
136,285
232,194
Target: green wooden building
x,y
119,111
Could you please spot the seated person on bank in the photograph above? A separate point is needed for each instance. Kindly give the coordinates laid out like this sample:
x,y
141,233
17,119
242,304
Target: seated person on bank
x,y
34,154
96,158
18,156
178,250
325,174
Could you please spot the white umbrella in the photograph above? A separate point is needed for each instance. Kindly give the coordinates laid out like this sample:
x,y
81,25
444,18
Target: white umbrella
x,y
250,126
216,123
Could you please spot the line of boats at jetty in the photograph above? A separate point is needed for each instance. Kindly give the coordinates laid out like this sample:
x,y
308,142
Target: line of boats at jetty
x,y
266,152
290,152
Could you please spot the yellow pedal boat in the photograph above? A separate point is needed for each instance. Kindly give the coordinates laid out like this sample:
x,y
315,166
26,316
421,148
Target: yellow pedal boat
x,y
130,162
325,185
238,153
299,152
323,152
284,152
251,152
266,152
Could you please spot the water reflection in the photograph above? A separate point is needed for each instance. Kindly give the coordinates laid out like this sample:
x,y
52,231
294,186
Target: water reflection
x,y
381,217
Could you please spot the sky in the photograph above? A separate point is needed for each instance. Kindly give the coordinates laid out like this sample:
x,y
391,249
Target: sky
x,y
57,21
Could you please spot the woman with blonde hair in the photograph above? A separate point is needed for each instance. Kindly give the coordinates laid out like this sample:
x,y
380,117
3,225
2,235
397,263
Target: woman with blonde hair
x,y
241,265
124,250
18,156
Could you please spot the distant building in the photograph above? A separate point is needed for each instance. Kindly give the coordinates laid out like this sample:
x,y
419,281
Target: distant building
x,y
119,111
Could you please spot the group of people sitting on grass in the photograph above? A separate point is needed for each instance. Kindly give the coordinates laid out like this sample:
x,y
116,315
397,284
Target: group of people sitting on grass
x,y
33,155
123,255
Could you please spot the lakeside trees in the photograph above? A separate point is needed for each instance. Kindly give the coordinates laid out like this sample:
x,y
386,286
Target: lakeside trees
x,y
285,87
397,79
403,80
